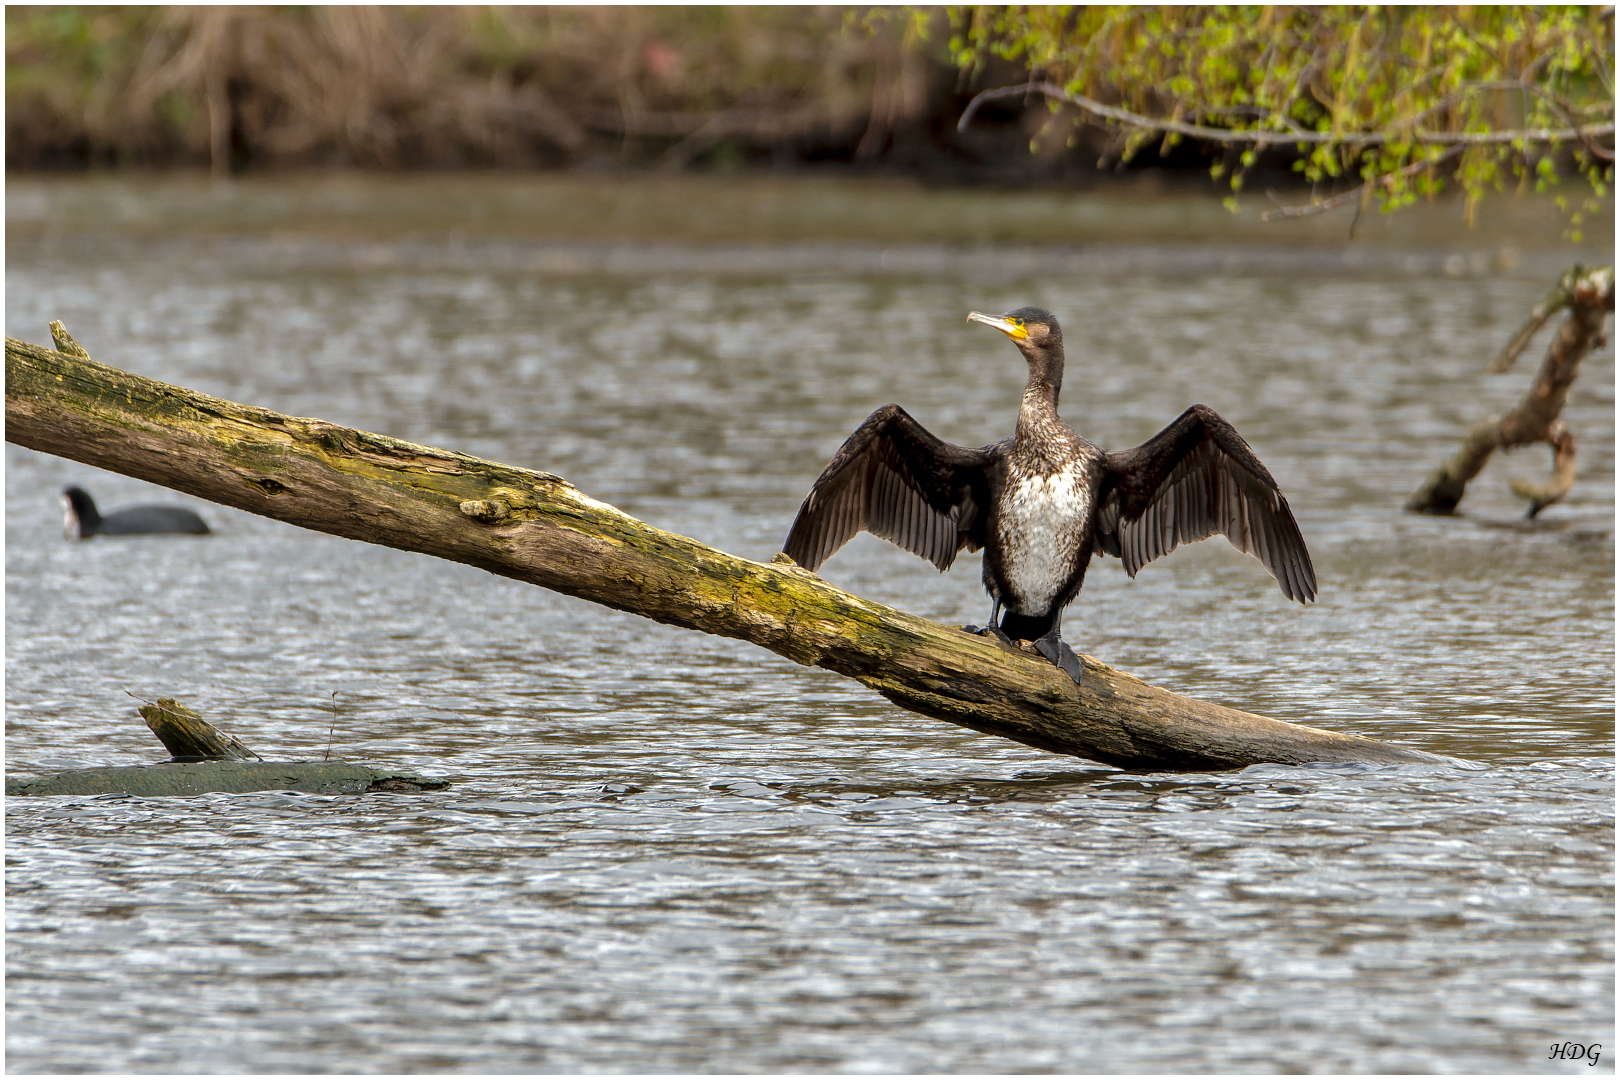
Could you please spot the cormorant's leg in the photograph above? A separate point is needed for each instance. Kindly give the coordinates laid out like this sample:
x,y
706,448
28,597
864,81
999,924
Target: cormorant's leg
x,y
1052,646
993,630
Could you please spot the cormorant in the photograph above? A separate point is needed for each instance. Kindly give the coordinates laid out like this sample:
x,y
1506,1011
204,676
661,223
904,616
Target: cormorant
x,y
82,520
1043,502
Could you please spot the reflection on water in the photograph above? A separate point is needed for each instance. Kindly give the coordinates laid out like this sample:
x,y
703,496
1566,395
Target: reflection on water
x,y
668,852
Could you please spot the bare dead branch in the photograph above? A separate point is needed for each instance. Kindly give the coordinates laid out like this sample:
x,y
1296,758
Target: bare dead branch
x,y
1590,298
1550,305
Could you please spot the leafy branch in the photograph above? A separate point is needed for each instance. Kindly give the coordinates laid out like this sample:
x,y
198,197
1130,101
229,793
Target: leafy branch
x,y
1294,135
1384,94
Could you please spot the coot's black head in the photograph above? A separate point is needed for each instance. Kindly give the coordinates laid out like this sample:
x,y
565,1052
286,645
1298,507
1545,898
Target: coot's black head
x,y
79,514
1038,336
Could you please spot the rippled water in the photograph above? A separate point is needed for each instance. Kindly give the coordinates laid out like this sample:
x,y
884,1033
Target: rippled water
x,y
668,852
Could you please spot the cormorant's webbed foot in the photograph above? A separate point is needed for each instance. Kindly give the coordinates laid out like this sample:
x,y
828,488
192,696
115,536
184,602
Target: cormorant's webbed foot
x,y
1057,650
991,631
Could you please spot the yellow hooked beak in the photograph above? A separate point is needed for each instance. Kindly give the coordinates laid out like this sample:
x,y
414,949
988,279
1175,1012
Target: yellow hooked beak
x,y
1013,328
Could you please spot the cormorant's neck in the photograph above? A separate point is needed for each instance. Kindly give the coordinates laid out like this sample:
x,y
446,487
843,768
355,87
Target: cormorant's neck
x,y
1045,382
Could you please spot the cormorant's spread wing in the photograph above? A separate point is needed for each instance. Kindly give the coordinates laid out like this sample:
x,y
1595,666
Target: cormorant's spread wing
x,y
1194,479
895,480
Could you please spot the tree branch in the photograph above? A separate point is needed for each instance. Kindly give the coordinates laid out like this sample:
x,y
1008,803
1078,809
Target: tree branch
x,y
1257,138
1354,194
536,527
1551,304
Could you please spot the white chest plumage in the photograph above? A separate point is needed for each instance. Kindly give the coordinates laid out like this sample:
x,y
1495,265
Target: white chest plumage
x,y
1042,520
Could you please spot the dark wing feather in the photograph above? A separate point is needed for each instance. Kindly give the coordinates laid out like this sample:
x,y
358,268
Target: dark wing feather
x,y
895,480
1194,479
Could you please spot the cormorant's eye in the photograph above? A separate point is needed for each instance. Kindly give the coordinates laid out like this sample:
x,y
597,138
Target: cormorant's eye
x,y
1017,322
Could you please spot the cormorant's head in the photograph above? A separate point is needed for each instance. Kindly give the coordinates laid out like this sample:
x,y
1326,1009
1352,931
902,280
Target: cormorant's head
x,y
1036,333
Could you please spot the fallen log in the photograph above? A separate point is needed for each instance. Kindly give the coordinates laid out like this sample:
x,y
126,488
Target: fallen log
x,y
1589,296
536,527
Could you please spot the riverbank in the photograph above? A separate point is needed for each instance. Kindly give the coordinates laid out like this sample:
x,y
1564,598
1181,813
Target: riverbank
x,y
244,89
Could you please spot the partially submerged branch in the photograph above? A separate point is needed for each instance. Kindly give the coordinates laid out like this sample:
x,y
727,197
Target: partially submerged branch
x,y
536,527
1551,304
1589,297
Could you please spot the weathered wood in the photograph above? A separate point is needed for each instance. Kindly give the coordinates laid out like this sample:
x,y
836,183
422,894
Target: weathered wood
x,y
233,777
1589,296
188,736
536,527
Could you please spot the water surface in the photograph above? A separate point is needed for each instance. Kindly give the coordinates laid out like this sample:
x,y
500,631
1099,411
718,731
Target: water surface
x,y
669,852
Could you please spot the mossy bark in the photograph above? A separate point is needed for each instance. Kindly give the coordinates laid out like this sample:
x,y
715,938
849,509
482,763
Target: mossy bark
x,y
536,527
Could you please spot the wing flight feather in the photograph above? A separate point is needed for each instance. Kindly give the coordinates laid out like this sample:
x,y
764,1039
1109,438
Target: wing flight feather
x,y
1195,479
895,479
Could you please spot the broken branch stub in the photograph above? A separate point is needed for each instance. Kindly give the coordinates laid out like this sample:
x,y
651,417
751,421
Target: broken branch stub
x,y
188,737
536,527
1589,297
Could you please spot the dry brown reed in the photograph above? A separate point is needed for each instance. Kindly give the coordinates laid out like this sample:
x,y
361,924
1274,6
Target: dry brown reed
x,y
238,87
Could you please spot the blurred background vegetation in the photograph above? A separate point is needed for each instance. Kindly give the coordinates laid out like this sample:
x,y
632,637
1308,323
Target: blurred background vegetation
x,y
877,89
433,87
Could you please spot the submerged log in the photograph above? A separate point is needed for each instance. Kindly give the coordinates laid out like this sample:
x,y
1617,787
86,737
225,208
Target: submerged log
x,y
231,777
207,761
1589,296
536,527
